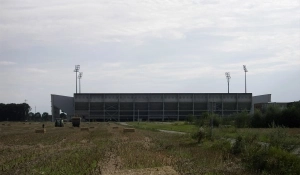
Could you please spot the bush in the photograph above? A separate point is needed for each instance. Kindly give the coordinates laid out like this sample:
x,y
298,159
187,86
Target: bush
x,y
238,146
271,160
206,118
215,120
190,119
258,120
279,138
224,146
282,162
242,120
290,117
273,114
254,157
239,120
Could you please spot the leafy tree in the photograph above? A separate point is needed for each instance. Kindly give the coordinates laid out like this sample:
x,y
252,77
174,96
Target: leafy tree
x,y
14,112
291,117
2,112
37,116
27,108
242,119
273,114
31,116
258,120
45,116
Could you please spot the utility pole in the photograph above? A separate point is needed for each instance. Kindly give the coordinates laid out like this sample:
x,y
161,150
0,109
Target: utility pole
x,y
25,110
246,70
227,74
79,77
77,67
212,119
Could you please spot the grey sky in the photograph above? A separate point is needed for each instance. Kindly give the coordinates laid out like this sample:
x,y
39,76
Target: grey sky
x,y
148,46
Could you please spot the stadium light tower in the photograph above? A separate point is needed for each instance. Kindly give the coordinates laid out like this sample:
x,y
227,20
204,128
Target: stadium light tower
x,y
246,70
227,74
79,77
77,67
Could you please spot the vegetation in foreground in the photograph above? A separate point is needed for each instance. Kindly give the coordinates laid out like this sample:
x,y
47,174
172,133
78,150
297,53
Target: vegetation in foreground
x,y
106,149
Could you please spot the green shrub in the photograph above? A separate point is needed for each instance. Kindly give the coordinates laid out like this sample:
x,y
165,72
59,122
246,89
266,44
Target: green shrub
x,y
254,157
223,145
282,162
279,138
258,120
215,120
271,160
238,146
190,119
273,114
200,134
242,120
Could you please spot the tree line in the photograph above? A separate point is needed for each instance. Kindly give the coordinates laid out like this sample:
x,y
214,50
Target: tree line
x,y
20,112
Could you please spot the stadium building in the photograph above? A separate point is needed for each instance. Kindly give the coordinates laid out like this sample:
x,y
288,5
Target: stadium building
x,y
151,106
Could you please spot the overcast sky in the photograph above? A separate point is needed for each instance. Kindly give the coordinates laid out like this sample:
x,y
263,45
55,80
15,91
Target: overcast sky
x,y
148,46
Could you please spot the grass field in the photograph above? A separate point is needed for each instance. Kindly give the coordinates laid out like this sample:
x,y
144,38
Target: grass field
x,y
106,149
218,132
171,126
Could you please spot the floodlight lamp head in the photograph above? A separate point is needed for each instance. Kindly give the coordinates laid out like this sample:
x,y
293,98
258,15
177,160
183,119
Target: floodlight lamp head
x,y
245,69
227,75
80,75
77,67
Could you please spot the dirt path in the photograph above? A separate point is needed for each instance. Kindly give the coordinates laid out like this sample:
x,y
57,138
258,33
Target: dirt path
x,y
172,132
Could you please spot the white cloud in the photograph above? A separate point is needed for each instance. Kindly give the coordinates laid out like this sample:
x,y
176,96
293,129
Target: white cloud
x,y
36,70
6,63
97,21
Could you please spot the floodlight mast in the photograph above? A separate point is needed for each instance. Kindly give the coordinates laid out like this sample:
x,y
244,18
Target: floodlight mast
x,y
77,67
227,74
79,77
246,70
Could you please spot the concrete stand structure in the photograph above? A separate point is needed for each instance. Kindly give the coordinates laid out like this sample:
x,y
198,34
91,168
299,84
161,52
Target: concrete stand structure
x,y
157,106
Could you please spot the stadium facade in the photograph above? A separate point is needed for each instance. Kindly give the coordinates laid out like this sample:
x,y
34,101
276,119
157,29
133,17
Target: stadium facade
x,y
149,106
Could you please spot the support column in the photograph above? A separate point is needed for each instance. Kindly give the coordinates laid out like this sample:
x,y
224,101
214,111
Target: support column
x,y
222,106
148,107
119,108
89,107
237,103
163,119
104,106
104,110
193,104
133,99
207,102
177,107
73,104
